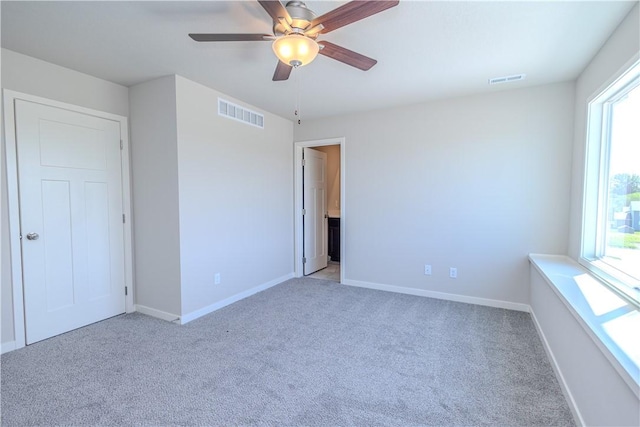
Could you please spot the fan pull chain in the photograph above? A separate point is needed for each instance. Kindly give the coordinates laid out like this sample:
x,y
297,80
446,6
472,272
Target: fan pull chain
x,y
298,110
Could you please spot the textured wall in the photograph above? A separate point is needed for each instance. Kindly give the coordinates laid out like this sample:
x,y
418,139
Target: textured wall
x,y
156,227
333,176
236,198
475,183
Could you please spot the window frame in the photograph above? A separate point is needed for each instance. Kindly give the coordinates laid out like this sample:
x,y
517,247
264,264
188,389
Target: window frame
x,y
596,184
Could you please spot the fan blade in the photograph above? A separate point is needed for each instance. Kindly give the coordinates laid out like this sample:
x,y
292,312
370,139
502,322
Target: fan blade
x,y
282,71
230,37
351,12
275,9
347,56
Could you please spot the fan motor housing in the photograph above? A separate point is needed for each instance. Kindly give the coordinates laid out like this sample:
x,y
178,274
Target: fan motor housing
x,y
301,17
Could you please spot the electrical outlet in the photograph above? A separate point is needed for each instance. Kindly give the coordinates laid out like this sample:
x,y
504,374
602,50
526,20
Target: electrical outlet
x,y
453,272
216,279
427,269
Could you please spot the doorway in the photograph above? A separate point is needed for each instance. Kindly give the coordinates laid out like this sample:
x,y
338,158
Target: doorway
x,y
69,216
335,207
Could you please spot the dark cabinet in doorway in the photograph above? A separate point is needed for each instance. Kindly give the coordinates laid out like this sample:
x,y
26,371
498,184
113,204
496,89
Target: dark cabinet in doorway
x,y
334,239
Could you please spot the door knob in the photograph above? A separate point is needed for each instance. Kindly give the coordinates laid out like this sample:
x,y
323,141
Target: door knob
x,y
33,236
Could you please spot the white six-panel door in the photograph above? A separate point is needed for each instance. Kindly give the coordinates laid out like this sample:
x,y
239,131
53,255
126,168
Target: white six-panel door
x,y
315,206
70,187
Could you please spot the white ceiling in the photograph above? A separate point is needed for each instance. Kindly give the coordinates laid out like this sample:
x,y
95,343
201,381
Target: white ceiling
x,y
425,49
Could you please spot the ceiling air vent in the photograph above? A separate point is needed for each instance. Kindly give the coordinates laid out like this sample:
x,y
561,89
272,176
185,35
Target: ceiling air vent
x,y
241,114
507,79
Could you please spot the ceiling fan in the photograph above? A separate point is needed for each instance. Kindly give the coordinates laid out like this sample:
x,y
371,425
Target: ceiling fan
x,y
296,28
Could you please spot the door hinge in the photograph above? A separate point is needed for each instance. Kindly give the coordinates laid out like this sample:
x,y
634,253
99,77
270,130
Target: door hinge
x,y
304,260
126,291
303,162
123,219
304,211
121,145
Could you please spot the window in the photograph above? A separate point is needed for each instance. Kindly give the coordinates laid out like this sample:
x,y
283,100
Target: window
x,y
611,228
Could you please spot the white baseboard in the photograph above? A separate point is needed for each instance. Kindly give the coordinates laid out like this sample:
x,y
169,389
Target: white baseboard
x,y
556,368
225,302
440,295
8,346
169,317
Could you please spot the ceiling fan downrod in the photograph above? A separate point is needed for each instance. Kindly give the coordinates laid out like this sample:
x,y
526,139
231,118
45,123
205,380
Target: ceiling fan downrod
x,y
300,20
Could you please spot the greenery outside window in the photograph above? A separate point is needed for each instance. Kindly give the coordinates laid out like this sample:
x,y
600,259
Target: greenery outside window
x,y
611,226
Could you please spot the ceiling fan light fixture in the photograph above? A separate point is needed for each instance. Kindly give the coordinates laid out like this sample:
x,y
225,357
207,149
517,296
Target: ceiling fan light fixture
x,y
296,50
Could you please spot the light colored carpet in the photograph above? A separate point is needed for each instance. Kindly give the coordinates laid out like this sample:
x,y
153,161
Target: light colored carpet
x,y
306,352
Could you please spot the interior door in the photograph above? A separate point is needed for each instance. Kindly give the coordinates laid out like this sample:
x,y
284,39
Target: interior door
x,y
314,175
70,185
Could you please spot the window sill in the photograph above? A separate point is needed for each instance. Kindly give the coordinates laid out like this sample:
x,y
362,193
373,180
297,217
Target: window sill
x,y
612,323
617,281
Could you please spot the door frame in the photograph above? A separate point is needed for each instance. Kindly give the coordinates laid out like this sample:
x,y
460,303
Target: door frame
x,y
297,204
13,199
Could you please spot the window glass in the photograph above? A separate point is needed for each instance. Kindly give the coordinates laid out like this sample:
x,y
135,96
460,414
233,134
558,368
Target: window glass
x,y
611,216
622,232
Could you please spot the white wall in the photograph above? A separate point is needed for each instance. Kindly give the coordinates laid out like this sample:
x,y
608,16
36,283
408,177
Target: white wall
x,y
475,183
210,195
236,198
29,75
155,195
602,396
36,77
333,176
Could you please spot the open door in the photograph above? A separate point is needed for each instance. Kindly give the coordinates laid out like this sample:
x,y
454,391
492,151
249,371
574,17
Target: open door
x,y
314,206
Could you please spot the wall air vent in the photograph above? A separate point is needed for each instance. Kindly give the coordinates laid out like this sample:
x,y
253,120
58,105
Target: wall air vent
x,y
507,79
241,114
